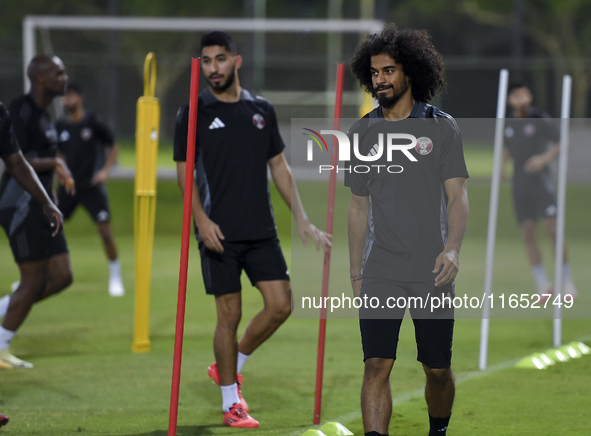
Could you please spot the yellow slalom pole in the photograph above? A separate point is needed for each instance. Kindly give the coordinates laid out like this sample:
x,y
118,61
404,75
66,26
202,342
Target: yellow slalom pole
x,y
367,105
144,205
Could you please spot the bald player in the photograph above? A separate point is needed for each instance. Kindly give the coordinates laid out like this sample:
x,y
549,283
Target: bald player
x,y
42,258
17,165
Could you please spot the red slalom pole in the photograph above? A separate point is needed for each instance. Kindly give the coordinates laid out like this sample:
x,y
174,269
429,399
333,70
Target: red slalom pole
x,y
182,297
329,220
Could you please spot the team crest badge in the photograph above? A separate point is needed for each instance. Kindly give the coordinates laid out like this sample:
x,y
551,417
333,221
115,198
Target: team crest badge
x,y
102,216
424,145
86,134
529,130
258,120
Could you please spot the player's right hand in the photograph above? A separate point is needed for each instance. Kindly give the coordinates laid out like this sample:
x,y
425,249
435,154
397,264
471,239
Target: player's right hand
x,y
210,234
54,216
356,285
535,164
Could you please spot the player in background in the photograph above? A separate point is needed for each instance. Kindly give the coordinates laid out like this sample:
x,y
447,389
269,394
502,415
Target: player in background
x,y
40,253
237,140
533,191
83,143
406,241
16,164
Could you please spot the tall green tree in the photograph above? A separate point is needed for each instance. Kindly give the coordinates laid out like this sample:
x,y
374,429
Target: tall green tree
x,y
560,28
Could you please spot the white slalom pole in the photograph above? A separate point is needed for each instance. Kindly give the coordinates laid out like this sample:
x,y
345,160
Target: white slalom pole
x,y
561,205
492,215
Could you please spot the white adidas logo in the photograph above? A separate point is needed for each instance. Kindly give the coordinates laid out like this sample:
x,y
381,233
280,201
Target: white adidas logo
x,y
216,124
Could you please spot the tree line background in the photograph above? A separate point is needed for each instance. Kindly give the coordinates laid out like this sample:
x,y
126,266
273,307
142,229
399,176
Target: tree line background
x,y
537,40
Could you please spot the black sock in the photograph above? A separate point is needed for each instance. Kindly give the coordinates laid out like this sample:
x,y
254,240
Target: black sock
x,y
438,426
375,433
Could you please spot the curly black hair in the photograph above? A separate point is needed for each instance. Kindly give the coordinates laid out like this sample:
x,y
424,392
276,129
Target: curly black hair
x,y
411,48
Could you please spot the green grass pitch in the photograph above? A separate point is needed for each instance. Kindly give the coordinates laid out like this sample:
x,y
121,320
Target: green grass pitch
x,y
87,381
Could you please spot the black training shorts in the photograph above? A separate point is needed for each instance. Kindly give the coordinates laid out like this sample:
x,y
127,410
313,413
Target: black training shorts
x,y
94,199
29,233
380,327
261,260
539,202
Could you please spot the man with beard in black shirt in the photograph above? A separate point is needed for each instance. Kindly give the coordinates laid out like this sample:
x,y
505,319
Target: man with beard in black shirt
x,y
237,140
42,257
527,135
83,142
407,220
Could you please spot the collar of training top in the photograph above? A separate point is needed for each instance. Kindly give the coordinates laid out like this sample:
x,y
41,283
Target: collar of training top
x,y
208,98
419,110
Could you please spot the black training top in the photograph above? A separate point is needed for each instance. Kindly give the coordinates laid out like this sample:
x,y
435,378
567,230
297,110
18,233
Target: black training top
x,y
8,143
408,201
36,136
527,137
83,146
233,144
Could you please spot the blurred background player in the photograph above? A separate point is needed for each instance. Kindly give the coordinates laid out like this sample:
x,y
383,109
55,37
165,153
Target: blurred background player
x,y
533,191
83,140
39,250
237,137
25,175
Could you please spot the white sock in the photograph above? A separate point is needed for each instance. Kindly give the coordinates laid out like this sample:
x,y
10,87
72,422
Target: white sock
x,y
115,269
229,397
242,358
6,338
540,276
4,301
566,275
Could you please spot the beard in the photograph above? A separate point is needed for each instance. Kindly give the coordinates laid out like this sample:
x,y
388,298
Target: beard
x,y
389,102
221,87
69,109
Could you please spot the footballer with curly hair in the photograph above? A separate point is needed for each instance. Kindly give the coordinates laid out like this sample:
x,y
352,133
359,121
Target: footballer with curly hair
x,y
405,242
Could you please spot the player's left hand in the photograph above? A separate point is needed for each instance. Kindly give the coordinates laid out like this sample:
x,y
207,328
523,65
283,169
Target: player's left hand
x,y
99,177
305,227
447,265
535,164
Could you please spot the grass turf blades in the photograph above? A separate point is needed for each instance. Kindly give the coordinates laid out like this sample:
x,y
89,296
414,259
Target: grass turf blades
x,y
86,381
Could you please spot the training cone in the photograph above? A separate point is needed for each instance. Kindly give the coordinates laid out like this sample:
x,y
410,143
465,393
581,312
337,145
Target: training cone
x,y
531,362
545,358
335,429
313,433
557,355
584,349
573,352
